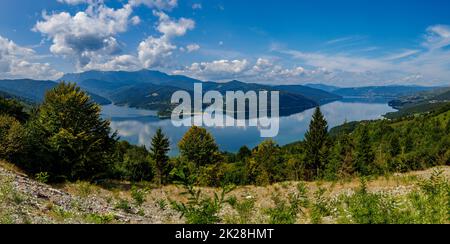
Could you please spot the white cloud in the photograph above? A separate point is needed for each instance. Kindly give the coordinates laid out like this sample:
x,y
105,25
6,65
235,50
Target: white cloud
x,y
121,62
73,2
153,51
438,36
170,28
263,70
158,4
192,48
19,62
85,36
136,20
197,6
217,70
426,65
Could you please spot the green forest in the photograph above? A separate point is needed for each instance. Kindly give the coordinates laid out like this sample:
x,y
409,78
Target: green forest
x,y
66,139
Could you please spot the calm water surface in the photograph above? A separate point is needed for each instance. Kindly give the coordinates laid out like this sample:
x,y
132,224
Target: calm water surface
x,y
138,126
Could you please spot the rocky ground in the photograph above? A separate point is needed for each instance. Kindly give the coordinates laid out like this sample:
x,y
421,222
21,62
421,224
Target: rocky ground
x,y
24,200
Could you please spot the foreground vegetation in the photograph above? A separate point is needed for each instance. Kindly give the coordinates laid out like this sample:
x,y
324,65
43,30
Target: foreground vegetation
x,y
419,197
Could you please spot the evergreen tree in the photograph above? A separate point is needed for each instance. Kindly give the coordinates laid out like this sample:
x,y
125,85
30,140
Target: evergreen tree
x,y
158,151
316,140
199,147
244,153
395,148
341,159
136,165
364,154
13,108
447,128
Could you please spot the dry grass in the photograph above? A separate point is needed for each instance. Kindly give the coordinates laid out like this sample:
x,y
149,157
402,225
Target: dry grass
x,y
156,208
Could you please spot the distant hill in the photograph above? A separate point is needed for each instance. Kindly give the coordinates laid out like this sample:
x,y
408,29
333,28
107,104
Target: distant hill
x,y
34,90
418,103
153,89
323,87
133,78
157,97
445,96
318,95
380,91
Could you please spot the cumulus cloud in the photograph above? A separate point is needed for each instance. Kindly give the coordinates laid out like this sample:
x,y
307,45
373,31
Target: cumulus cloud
x,y
158,4
90,37
85,36
192,48
154,50
120,62
19,62
136,20
262,70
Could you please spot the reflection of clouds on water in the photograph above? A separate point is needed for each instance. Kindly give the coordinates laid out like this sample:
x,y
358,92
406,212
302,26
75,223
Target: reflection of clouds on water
x,y
140,130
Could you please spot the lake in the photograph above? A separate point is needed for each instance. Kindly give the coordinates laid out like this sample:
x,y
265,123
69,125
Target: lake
x,y
138,126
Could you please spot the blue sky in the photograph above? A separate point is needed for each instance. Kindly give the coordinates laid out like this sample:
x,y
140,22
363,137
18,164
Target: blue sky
x,y
346,43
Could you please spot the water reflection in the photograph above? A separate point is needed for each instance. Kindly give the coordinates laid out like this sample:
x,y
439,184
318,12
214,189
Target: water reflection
x,y
138,126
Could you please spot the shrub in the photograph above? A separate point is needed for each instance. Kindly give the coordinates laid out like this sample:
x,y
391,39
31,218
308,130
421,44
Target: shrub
x,y
137,165
42,177
138,196
12,136
319,207
286,212
123,205
199,209
245,210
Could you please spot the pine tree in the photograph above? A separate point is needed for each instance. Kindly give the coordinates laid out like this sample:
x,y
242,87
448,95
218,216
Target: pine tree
x,y
316,140
341,159
395,148
364,153
159,148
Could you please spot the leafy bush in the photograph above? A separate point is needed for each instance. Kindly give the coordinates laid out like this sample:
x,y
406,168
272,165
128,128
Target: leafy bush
x,y
286,212
319,208
428,204
124,205
42,177
137,165
431,203
199,209
245,210
138,196
162,204
13,108
12,136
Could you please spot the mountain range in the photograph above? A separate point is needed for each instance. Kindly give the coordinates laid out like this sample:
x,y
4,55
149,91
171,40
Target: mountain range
x,y
33,91
152,90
